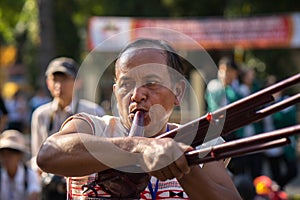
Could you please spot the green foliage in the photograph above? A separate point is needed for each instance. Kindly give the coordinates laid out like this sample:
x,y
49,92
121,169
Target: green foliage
x,y
19,24
278,62
9,17
66,33
237,8
194,8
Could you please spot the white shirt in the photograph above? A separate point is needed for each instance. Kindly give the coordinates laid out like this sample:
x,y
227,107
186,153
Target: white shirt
x,y
41,120
14,189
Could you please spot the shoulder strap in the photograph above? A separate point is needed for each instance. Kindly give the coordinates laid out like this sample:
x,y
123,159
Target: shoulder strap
x,y
76,107
51,121
26,174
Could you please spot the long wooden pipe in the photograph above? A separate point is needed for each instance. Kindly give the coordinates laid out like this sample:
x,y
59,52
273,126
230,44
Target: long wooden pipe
x,y
243,146
235,115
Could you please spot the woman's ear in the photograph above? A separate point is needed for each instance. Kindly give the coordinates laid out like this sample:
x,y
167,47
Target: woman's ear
x,y
179,90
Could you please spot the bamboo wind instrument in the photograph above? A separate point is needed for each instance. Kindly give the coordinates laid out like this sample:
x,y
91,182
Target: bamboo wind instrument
x,y
243,146
137,128
235,115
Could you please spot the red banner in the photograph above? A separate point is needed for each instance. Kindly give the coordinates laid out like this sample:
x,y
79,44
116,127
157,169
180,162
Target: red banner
x,y
252,32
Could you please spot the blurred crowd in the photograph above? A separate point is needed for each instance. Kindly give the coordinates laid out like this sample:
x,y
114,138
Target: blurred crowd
x,y
18,180
233,83
26,121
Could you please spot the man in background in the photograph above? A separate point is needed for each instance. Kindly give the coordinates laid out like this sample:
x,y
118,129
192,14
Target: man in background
x,y
48,118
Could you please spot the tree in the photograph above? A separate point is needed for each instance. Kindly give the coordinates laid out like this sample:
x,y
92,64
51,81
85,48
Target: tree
x,y
46,47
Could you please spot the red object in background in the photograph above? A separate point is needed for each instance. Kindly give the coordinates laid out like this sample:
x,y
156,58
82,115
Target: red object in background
x,y
266,187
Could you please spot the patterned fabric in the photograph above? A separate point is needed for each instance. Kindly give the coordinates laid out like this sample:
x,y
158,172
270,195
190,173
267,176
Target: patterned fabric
x,y
78,188
169,189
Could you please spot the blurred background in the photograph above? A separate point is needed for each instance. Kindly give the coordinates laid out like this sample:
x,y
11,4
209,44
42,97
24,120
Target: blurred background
x,y
261,35
33,32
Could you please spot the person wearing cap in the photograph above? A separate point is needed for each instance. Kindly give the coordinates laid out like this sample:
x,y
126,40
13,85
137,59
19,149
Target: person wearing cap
x,y
17,180
47,119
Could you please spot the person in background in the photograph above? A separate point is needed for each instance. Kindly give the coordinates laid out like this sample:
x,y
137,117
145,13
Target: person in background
x,y
282,161
252,164
3,114
18,114
223,91
39,98
47,119
17,179
148,85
